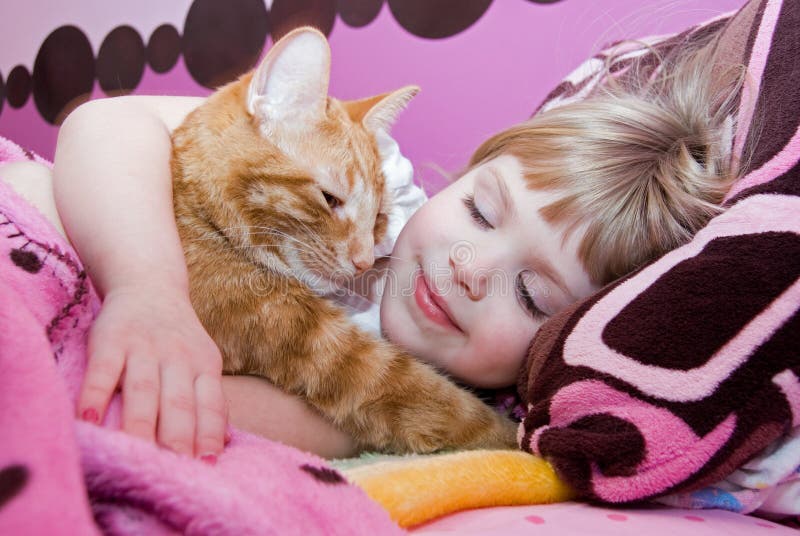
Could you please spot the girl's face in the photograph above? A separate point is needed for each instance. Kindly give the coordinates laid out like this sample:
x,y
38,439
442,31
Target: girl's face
x,y
476,271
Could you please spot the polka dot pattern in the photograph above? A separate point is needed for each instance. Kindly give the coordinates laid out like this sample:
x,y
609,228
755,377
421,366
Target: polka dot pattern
x,y
222,40
163,48
27,260
120,61
219,42
581,518
437,19
358,13
63,73
13,479
286,15
325,475
536,520
18,86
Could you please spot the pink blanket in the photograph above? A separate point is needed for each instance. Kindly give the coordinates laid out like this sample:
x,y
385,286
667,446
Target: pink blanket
x,y
62,476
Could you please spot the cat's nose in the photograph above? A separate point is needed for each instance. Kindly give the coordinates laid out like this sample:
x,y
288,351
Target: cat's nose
x,y
363,262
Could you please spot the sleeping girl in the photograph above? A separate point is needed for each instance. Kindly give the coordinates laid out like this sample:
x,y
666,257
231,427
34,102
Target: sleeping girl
x,y
546,213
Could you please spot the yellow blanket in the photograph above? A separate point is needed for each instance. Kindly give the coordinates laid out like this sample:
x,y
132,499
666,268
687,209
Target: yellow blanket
x,y
415,489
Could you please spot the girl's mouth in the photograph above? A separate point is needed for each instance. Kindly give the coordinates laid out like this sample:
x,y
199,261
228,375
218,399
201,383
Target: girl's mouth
x,y
432,305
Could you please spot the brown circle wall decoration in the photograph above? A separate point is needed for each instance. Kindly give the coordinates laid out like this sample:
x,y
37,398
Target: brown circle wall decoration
x,y
163,48
358,13
18,87
286,15
63,72
222,40
120,61
437,19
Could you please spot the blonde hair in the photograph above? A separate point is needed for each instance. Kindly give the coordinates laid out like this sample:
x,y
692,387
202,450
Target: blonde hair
x,y
642,166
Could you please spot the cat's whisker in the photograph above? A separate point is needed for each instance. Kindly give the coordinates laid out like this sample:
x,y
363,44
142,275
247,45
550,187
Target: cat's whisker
x,y
313,234
261,230
270,230
328,262
401,259
320,253
326,265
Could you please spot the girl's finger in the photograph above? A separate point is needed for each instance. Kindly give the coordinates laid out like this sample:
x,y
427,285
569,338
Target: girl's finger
x,y
102,376
176,420
140,396
211,417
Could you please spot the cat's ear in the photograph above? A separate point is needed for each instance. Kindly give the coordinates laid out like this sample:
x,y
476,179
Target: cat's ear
x,y
378,113
291,84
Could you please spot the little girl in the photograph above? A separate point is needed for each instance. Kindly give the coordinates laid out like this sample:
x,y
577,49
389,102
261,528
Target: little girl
x,y
546,213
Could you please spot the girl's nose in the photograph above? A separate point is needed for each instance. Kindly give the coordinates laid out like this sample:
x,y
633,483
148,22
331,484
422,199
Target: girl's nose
x,y
467,272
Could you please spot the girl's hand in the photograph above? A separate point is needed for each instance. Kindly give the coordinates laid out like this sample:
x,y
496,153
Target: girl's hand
x,y
149,342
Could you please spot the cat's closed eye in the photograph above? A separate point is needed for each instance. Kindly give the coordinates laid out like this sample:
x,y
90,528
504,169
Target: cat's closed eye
x,y
333,201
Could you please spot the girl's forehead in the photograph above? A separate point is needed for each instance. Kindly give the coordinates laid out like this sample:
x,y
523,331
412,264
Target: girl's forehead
x,y
503,176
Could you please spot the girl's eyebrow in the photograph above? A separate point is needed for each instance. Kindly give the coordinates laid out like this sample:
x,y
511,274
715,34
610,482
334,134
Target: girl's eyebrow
x,y
544,266
505,196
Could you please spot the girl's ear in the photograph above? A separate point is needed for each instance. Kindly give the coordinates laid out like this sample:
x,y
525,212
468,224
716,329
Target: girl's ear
x,y
291,84
378,113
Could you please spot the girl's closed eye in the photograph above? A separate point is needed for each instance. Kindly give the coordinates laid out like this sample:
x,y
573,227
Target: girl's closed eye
x,y
475,212
525,298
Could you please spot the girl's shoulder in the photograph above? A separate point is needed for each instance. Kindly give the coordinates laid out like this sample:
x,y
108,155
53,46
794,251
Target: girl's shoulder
x,y
171,110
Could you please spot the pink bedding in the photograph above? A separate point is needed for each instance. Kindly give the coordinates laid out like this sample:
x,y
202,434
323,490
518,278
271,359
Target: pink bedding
x,y
567,519
59,475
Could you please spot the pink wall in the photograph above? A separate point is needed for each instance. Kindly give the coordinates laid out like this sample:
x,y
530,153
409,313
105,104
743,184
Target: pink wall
x,y
473,84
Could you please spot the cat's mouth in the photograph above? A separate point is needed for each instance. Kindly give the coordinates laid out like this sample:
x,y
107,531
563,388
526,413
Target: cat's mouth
x,y
335,283
321,276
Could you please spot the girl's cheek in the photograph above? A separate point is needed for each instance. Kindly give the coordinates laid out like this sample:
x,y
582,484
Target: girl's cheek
x,y
392,322
514,337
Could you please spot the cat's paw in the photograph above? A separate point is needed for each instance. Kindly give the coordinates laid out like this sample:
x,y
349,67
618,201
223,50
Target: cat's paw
x,y
486,430
501,434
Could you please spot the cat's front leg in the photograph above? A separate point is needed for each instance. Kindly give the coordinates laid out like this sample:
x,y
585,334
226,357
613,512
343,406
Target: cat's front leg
x,y
275,327
407,406
381,395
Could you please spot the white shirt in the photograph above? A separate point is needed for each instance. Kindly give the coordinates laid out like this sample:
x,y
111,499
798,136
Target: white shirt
x,y
407,197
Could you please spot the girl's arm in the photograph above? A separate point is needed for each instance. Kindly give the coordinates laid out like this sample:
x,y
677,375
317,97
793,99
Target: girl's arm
x,y
259,407
112,165
114,194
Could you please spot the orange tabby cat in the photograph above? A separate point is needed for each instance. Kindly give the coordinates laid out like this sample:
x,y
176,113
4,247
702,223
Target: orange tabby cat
x,y
278,192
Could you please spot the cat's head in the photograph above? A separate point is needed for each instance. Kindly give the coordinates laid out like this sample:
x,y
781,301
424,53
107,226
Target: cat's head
x,y
304,170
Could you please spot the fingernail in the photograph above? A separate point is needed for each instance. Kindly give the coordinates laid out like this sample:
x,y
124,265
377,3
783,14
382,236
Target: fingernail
x,y
90,415
210,459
